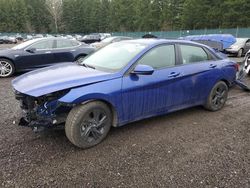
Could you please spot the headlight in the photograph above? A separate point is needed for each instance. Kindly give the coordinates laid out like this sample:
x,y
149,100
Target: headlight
x,y
51,97
56,95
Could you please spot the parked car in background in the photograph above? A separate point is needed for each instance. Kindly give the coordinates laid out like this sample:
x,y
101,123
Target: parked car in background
x,y
123,82
8,40
110,40
105,35
28,37
2,41
89,39
94,37
239,48
19,37
42,52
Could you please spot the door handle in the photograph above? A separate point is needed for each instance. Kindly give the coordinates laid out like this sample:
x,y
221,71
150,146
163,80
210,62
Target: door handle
x,y
174,75
48,52
212,66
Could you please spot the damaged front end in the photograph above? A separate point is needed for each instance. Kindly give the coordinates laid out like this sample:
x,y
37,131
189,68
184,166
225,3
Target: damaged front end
x,y
243,73
43,112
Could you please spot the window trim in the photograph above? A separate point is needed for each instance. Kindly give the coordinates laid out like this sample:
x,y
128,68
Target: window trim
x,y
79,44
30,46
209,55
157,46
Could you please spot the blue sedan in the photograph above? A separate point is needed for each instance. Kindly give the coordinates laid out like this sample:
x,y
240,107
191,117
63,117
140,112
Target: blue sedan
x,y
122,83
40,53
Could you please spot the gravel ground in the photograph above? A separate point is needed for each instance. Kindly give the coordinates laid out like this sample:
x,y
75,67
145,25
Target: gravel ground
x,y
190,148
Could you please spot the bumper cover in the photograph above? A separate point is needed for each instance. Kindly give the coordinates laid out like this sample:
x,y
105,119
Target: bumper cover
x,y
231,50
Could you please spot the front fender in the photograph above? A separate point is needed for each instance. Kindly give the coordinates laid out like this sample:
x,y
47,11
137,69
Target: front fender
x,y
108,91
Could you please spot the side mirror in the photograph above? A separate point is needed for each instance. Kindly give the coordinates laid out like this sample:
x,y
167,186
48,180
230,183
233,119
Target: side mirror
x,y
143,70
31,50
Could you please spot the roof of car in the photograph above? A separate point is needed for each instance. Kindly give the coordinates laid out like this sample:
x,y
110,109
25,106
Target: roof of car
x,y
160,41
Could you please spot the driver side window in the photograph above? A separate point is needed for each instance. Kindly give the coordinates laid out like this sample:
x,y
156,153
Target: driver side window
x,y
159,57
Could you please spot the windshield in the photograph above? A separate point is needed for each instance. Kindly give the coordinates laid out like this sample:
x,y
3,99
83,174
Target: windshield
x,y
113,57
24,44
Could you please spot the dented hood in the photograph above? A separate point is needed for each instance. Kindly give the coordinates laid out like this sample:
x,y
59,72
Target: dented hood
x,y
57,78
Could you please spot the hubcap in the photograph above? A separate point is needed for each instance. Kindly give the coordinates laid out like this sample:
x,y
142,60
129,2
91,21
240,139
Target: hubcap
x,y
92,128
219,97
5,68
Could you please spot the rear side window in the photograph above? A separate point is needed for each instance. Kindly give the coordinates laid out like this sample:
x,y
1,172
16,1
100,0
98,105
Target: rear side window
x,y
193,54
159,57
64,44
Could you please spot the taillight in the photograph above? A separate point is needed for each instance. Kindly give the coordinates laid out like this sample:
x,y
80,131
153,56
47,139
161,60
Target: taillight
x,y
237,67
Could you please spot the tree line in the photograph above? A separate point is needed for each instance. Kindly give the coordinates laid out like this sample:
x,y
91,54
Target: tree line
x,y
85,16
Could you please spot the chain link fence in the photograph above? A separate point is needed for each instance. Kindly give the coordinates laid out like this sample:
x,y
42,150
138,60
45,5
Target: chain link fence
x,y
237,32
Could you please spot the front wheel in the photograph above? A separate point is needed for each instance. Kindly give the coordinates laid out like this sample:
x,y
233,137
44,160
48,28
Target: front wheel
x,y
6,68
217,97
87,125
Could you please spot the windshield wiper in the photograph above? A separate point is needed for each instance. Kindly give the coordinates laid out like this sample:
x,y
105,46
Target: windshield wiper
x,y
88,66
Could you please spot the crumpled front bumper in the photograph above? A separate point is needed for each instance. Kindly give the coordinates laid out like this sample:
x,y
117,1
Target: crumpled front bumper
x,y
39,117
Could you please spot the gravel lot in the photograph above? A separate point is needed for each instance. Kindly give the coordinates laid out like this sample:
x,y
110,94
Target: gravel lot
x,y
190,148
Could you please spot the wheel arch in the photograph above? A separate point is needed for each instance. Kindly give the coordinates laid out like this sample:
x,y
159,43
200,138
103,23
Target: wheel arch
x,y
111,107
226,81
12,61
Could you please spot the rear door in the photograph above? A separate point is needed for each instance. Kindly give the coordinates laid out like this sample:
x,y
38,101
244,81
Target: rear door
x,y
200,70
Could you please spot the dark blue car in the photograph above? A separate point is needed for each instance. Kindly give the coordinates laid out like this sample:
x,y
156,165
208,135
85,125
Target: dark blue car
x,y
122,83
40,53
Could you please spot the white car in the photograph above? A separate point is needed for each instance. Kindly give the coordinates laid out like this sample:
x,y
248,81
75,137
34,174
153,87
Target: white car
x,y
240,47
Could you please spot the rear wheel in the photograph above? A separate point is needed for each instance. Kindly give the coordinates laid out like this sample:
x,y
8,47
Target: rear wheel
x,y
6,68
87,125
217,97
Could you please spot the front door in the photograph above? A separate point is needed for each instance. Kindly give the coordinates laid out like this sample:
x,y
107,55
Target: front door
x,y
37,55
147,95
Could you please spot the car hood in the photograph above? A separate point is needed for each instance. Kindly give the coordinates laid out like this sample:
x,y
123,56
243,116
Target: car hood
x,y
56,78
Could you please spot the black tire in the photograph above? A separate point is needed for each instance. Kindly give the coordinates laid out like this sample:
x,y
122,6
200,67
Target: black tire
x,y
85,128
240,53
79,59
217,97
5,65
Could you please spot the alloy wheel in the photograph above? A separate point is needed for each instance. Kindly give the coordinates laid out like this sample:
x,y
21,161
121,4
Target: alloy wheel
x,y
92,128
219,96
5,68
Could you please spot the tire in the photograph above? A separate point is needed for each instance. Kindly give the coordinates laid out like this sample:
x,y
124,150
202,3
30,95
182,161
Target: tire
x,y
7,68
87,125
240,53
80,58
217,97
